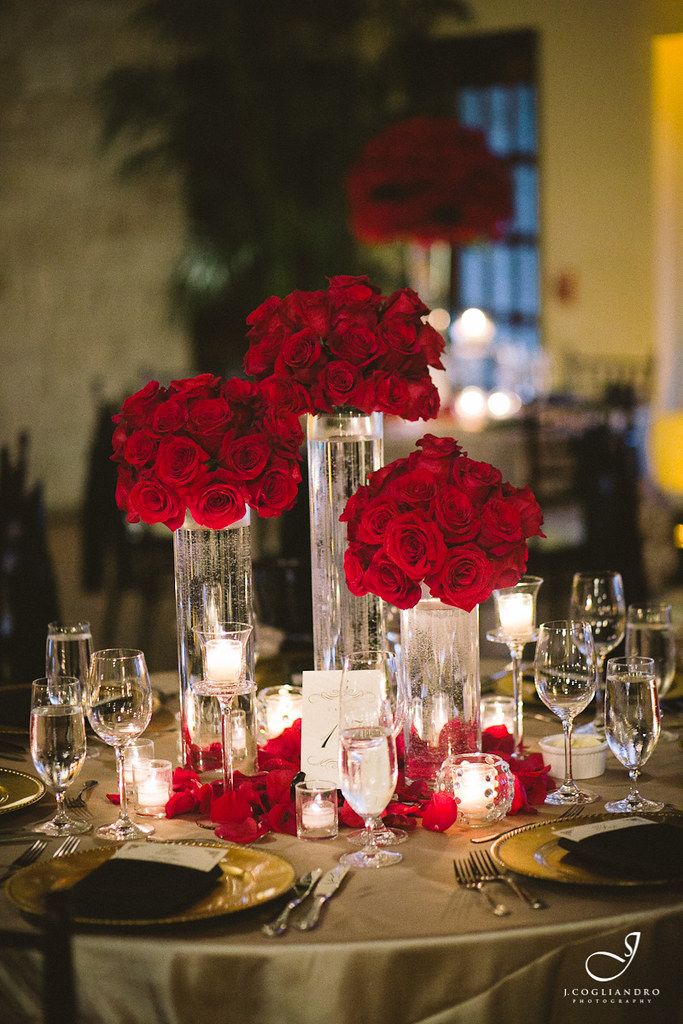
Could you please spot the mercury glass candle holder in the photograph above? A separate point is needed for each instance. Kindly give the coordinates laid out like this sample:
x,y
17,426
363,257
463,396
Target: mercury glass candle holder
x,y
481,784
316,810
153,782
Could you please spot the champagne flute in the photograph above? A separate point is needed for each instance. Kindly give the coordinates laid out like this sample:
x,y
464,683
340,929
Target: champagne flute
x,y
377,697
224,659
68,652
565,674
368,771
57,734
632,724
119,709
598,599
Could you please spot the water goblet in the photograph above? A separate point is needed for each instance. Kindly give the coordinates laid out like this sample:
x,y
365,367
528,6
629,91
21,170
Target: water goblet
x,y
598,598
377,697
224,659
68,652
650,634
119,710
368,772
57,736
565,675
632,724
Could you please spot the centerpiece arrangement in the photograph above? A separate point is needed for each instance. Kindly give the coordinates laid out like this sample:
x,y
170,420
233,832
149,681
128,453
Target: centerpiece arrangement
x,y
434,534
198,456
344,355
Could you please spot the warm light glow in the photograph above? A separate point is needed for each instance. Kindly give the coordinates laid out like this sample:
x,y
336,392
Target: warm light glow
x,y
439,319
470,404
502,404
678,535
666,446
473,327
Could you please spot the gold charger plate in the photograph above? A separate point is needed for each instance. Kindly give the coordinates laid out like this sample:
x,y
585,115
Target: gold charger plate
x,y
250,877
18,790
533,850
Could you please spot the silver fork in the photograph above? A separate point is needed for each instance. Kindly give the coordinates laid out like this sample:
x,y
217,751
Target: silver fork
x,y
574,811
69,845
30,854
465,878
74,802
488,871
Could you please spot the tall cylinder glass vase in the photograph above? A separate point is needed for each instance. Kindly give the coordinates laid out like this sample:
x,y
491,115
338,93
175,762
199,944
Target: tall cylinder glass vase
x,y
440,646
213,584
343,448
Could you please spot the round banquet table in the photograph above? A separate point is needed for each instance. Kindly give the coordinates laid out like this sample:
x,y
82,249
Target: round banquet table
x,y
403,945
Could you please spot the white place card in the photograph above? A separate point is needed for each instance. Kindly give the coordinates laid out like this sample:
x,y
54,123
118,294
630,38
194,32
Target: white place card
x,y
594,829
320,725
200,858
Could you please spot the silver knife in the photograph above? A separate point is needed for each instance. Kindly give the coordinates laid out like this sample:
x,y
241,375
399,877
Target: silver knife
x,y
324,890
303,888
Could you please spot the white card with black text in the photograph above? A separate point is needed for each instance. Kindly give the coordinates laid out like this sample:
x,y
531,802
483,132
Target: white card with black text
x,y
320,725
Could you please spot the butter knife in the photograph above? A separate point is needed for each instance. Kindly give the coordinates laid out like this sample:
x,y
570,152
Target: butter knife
x,y
324,890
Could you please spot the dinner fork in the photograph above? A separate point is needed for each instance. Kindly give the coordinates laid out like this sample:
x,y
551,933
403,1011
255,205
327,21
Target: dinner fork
x,y
74,802
465,878
32,853
70,845
488,871
574,811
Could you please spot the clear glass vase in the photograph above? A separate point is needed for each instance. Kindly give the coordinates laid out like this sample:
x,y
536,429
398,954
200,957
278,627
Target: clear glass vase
x,y
343,448
440,646
212,584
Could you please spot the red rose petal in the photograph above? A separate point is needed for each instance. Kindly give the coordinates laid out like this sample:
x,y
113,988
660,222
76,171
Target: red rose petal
x,y
181,802
231,806
440,813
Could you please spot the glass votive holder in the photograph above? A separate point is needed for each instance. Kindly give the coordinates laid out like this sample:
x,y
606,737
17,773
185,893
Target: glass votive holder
x,y
497,710
141,749
153,782
316,810
279,707
481,784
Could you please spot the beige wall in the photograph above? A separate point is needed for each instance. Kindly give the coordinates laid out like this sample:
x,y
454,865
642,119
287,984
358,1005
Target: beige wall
x,y
84,258
595,85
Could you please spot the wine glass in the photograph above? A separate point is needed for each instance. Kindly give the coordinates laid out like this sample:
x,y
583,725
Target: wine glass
x,y
650,634
565,674
378,697
119,709
368,771
58,745
224,659
598,598
632,724
68,652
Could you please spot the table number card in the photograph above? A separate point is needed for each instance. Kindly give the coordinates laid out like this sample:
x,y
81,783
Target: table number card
x,y
320,721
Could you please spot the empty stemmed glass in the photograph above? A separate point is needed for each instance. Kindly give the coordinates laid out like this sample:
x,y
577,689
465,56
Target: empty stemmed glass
x,y
119,709
598,598
57,733
565,674
632,724
378,696
68,652
224,659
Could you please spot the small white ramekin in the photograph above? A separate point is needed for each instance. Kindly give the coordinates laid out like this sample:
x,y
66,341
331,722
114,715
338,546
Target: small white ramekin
x,y
589,755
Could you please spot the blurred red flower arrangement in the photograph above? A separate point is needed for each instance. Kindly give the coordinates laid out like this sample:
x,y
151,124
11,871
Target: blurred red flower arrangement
x,y
428,179
208,447
442,519
347,347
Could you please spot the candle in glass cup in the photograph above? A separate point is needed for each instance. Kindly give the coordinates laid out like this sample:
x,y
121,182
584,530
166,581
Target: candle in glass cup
x,y
497,710
474,791
238,726
153,786
316,810
516,614
318,814
280,706
137,750
224,660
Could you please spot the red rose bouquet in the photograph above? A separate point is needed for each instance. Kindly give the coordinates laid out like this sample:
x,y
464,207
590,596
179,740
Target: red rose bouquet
x,y
207,446
346,347
428,179
440,518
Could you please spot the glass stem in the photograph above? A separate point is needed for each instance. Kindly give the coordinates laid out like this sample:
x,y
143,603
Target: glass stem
x,y
634,796
123,802
517,694
371,846
61,817
567,727
226,734
599,719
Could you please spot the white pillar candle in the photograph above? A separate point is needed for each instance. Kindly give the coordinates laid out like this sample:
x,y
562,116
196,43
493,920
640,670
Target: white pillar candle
x,y
318,814
516,615
224,660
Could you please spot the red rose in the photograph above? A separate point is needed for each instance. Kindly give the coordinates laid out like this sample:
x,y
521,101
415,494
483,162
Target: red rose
x,y
433,345
415,544
416,489
384,578
399,336
500,525
509,570
497,739
391,393
342,384
150,501
357,558
530,513
209,416
124,483
178,461
219,503
245,457
375,520
169,417
138,407
238,390
387,474
353,511
203,385
423,400
355,340
140,448
259,360
118,440
261,318
276,491
477,479
287,393
405,303
299,351
456,515
439,447
310,309
465,578
345,290
283,430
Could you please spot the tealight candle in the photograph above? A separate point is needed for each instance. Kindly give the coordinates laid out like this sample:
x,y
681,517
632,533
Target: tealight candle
x,y
316,810
497,710
137,750
282,706
224,660
475,790
481,784
153,787
516,615
238,734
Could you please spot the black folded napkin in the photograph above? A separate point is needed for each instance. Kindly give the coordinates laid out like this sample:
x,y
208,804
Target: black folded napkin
x,y
651,852
139,889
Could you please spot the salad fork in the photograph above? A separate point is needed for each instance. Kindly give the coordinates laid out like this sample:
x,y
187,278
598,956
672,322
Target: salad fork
x,y
74,802
70,845
487,871
30,854
466,879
